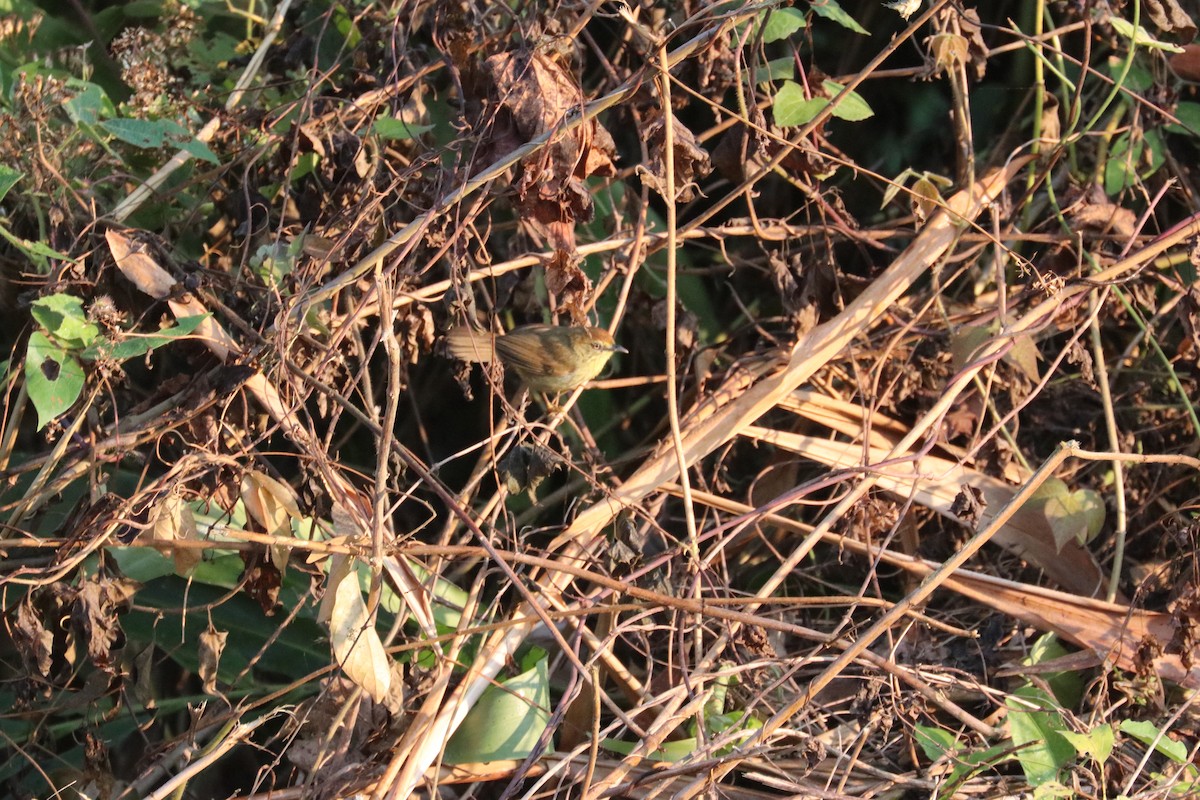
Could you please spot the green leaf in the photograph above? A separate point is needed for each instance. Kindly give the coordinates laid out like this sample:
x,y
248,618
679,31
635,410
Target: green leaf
x,y
737,720
1097,743
1036,726
1141,37
669,752
1188,114
88,105
199,150
142,564
1052,790
159,133
935,742
1137,78
8,179
1024,356
965,343
306,164
223,570
1149,735
53,377
346,26
777,69
1066,686
1131,160
1073,516
938,743
138,345
782,23
63,318
394,129
37,252
214,51
147,133
297,649
792,108
830,10
1120,169
450,598
852,107
273,262
507,721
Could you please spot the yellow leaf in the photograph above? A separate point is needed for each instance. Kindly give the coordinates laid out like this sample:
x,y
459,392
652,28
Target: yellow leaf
x,y
356,644
272,505
173,523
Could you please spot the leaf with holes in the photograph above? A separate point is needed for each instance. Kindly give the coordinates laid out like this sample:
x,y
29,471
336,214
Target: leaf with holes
x,y
53,377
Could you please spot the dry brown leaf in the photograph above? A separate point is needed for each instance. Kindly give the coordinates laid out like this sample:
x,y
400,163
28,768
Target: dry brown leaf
x,y
538,92
356,644
212,644
1051,123
145,274
1169,16
94,614
33,641
175,522
691,160
566,281
959,42
1115,632
272,505
925,199
1104,217
332,729
261,579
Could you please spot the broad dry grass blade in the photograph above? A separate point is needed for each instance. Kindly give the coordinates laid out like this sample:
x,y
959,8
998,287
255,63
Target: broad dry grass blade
x,y
933,481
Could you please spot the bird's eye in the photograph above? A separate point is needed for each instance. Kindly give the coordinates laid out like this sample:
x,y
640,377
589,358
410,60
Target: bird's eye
x,y
597,345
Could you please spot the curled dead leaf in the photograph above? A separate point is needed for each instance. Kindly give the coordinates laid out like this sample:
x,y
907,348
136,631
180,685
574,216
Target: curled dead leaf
x,y
261,579
692,161
212,644
1169,16
356,644
94,617
958,43
272,504
175,522
33,641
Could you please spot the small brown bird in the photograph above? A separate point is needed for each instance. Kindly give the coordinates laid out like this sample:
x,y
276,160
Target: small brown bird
x,y
549,358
